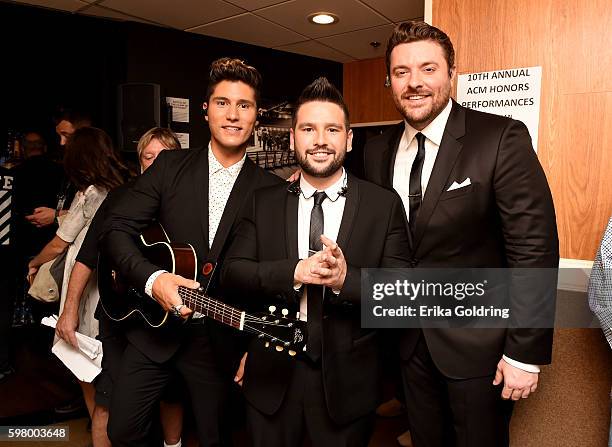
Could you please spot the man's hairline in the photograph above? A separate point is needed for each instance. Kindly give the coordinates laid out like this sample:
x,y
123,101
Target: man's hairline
x,y
347,123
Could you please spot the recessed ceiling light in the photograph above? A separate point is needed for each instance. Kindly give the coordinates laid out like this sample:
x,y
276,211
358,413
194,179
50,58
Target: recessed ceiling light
x,y
323,18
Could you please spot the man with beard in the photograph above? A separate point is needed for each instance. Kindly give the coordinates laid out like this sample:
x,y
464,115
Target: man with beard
x,y
476,196
303,247
197,196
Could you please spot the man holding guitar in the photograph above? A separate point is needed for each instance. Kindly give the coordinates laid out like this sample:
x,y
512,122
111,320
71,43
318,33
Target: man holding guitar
x,y
304,246
197,196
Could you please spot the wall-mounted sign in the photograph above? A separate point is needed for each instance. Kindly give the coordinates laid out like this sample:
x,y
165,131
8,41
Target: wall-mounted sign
x,y
180,109
183,139
513,92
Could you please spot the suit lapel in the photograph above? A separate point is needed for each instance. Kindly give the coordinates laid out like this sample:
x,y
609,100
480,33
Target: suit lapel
x,y
388,156
200,185
449,150
236,199
291,220
350,209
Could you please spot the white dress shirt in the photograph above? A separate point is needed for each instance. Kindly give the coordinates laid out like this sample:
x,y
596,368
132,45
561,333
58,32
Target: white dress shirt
x,y
333,209
220,183
406,153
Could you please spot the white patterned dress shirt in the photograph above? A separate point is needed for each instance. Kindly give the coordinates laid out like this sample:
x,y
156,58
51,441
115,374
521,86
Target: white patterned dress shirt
x,y
220,183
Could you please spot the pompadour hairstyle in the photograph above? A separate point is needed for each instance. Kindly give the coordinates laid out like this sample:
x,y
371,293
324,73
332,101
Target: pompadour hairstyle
x,y
229,69
412,31
321,90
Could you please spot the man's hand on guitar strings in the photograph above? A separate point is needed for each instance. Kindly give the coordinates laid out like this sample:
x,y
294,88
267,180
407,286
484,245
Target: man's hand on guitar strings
x,y
165,292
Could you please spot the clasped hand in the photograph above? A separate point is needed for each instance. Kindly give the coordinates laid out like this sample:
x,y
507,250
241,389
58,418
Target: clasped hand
x,y
326,267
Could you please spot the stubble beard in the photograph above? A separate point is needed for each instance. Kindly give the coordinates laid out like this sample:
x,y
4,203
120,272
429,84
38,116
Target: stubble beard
x,y
418,119
327,171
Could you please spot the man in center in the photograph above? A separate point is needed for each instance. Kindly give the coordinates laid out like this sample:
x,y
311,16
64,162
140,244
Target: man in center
x,y
302,248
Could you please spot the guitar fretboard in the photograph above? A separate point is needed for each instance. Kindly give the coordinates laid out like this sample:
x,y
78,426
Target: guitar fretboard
x,y
211,308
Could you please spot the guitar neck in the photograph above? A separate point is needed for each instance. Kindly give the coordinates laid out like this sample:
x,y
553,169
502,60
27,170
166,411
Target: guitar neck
x,y
217,310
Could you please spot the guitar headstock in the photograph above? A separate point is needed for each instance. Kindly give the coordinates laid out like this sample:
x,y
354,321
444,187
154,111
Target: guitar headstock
x,y
278,331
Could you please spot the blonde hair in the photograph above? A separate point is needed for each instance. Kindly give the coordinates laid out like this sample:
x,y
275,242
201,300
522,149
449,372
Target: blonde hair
x,y
165,136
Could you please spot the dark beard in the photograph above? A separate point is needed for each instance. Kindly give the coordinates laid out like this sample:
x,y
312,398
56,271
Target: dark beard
x,y
327,172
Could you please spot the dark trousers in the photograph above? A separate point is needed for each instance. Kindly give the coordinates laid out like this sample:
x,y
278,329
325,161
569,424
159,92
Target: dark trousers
x,y
445,412
141,383
304,412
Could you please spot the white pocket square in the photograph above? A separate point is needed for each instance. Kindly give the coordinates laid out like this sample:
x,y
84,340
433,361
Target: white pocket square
x,y
463,184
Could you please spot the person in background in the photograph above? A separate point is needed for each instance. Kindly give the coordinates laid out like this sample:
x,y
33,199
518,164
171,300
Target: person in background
x,y
113,340
94,167
600,293
39,181
66,122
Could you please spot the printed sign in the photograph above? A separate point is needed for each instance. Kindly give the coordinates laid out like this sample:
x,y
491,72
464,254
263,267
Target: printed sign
x,y
514,93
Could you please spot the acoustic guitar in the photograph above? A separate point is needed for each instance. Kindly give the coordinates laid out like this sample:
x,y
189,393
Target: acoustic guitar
x,y
120,301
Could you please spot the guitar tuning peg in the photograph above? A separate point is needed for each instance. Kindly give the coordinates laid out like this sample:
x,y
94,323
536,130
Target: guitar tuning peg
x,y
267,345
285,312
292,353
272,309
279,348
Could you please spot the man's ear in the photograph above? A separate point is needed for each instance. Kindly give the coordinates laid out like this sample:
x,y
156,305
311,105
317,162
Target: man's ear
x,y
349,140
291,139
205,109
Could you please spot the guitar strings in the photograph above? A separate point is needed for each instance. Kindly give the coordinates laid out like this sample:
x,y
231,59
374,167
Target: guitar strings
x,y
207,302
201,299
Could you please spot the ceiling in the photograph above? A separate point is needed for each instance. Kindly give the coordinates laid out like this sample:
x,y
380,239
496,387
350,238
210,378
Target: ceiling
x,y
268,23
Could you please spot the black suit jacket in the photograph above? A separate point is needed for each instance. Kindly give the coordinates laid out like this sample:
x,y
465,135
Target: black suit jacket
x,y
505,218
175,192
261,262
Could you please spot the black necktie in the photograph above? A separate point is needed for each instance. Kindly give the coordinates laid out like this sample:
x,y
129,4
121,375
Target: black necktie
x,y
415,195
314,304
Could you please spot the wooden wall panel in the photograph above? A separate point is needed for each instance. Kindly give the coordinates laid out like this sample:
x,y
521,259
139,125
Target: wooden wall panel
x,y
367,98
583,44
580,169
